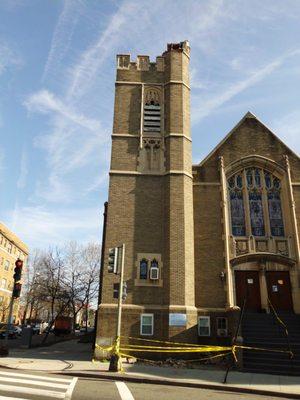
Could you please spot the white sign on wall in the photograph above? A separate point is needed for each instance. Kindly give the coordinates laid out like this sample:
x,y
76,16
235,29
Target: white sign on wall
x,y
177,319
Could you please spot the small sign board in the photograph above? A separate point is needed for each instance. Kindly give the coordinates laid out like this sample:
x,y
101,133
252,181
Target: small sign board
x,y
274,288
177,319
250,281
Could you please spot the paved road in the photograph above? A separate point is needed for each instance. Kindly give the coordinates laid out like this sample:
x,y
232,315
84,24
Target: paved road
x,y
37,386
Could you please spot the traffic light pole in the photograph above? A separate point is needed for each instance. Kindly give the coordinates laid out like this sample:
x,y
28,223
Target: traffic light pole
x,y
115,360
11,305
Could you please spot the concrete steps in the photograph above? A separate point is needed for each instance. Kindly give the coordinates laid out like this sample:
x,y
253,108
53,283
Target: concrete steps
x,y
263,331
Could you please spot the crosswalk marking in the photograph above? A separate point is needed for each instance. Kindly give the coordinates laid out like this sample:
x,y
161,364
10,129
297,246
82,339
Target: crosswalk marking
x,y
14,384
9,398
28,390
43,378
123,390
33,382
70,389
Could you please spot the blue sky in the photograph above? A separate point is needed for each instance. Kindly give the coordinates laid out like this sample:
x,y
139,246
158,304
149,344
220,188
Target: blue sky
x,y
57,71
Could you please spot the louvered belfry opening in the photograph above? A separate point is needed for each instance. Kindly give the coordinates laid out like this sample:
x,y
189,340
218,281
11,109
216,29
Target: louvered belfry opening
x,y
152,112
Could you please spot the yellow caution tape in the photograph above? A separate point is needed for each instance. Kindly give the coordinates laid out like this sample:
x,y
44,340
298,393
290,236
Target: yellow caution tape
x,y
118,350
162,341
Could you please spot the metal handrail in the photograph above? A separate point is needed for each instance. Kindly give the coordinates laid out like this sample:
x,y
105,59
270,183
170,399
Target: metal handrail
x,y
236,333
284,326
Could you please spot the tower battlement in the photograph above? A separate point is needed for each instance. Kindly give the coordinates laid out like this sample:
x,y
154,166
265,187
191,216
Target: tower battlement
x,y
143,63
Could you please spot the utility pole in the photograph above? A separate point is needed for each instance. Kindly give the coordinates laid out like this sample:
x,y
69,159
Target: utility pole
x,y
15,294
115,360
11,305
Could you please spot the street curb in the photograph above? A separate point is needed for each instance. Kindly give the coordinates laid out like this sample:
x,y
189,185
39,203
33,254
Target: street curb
x,y
181,383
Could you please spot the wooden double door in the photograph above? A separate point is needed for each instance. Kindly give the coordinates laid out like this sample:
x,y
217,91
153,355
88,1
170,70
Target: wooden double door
x,y
247,289
279,290
247,286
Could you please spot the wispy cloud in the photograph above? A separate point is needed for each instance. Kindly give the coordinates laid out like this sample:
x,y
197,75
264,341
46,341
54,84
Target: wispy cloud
x,y
21,183
38,227
8,57
46,102
216,101
62,35
2,167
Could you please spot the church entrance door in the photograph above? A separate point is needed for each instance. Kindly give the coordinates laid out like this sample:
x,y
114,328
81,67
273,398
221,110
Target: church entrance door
x,y
279,290
247,285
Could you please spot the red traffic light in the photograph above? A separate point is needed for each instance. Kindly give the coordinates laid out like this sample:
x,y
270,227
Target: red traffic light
x,y
19,263
18,270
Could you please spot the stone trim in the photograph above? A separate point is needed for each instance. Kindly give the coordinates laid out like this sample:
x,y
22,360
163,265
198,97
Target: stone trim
x,y
148,282
138,83
153,83
154,307
295,183
206,183
171,172
124,135
178,83
169,135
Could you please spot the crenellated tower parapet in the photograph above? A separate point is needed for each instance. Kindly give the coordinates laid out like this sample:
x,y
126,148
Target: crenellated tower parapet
x,y
142,63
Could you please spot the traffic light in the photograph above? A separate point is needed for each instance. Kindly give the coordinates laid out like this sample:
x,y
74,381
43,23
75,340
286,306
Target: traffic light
x,y
18,270
17,290
116,291
124,291
113,260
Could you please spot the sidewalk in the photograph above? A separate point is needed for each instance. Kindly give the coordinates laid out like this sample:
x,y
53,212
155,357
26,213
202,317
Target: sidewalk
x,y
74,358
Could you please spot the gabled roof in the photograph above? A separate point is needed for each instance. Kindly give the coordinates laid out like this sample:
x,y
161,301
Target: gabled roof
x,y
247,115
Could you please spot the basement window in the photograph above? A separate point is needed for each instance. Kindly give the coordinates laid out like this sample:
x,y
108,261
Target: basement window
x,y
222,326
146,327
204,326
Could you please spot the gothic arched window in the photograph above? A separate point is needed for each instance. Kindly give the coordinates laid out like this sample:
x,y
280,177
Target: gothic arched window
x,y
259,192
152,111
144,269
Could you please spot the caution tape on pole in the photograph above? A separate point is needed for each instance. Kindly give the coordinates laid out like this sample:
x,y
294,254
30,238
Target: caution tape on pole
x,y
122,351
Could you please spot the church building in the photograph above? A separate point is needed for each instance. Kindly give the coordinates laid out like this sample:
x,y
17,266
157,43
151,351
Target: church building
x,y
202,240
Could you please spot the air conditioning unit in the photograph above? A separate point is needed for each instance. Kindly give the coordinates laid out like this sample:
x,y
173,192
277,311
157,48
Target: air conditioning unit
x,y
154,273
222,332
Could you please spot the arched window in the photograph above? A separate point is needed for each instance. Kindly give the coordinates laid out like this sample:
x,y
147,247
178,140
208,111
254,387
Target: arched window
x,y
235,185
259,192
144,269
152,111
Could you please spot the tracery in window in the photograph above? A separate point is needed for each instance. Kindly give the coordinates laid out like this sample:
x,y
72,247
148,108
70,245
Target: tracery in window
x,y
274,205
237,206
262,191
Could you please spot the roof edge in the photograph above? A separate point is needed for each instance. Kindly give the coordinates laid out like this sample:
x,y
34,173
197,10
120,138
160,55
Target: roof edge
x,y
248,114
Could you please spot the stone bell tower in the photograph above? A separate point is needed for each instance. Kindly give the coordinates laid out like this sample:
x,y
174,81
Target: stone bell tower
x,y
150,204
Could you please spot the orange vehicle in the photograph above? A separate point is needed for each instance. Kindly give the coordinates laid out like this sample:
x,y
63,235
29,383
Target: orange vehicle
x,y
63,325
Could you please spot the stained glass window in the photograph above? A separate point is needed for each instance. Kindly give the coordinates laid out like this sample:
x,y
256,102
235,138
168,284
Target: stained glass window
x,y
144,269
237,213
255,184
256,214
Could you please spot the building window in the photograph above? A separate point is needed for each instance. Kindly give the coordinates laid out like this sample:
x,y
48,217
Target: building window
x,y
152,111
204,326
9,247
146,324
222,326
3,283
6,265
237,206
261,192
1,299
144,269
